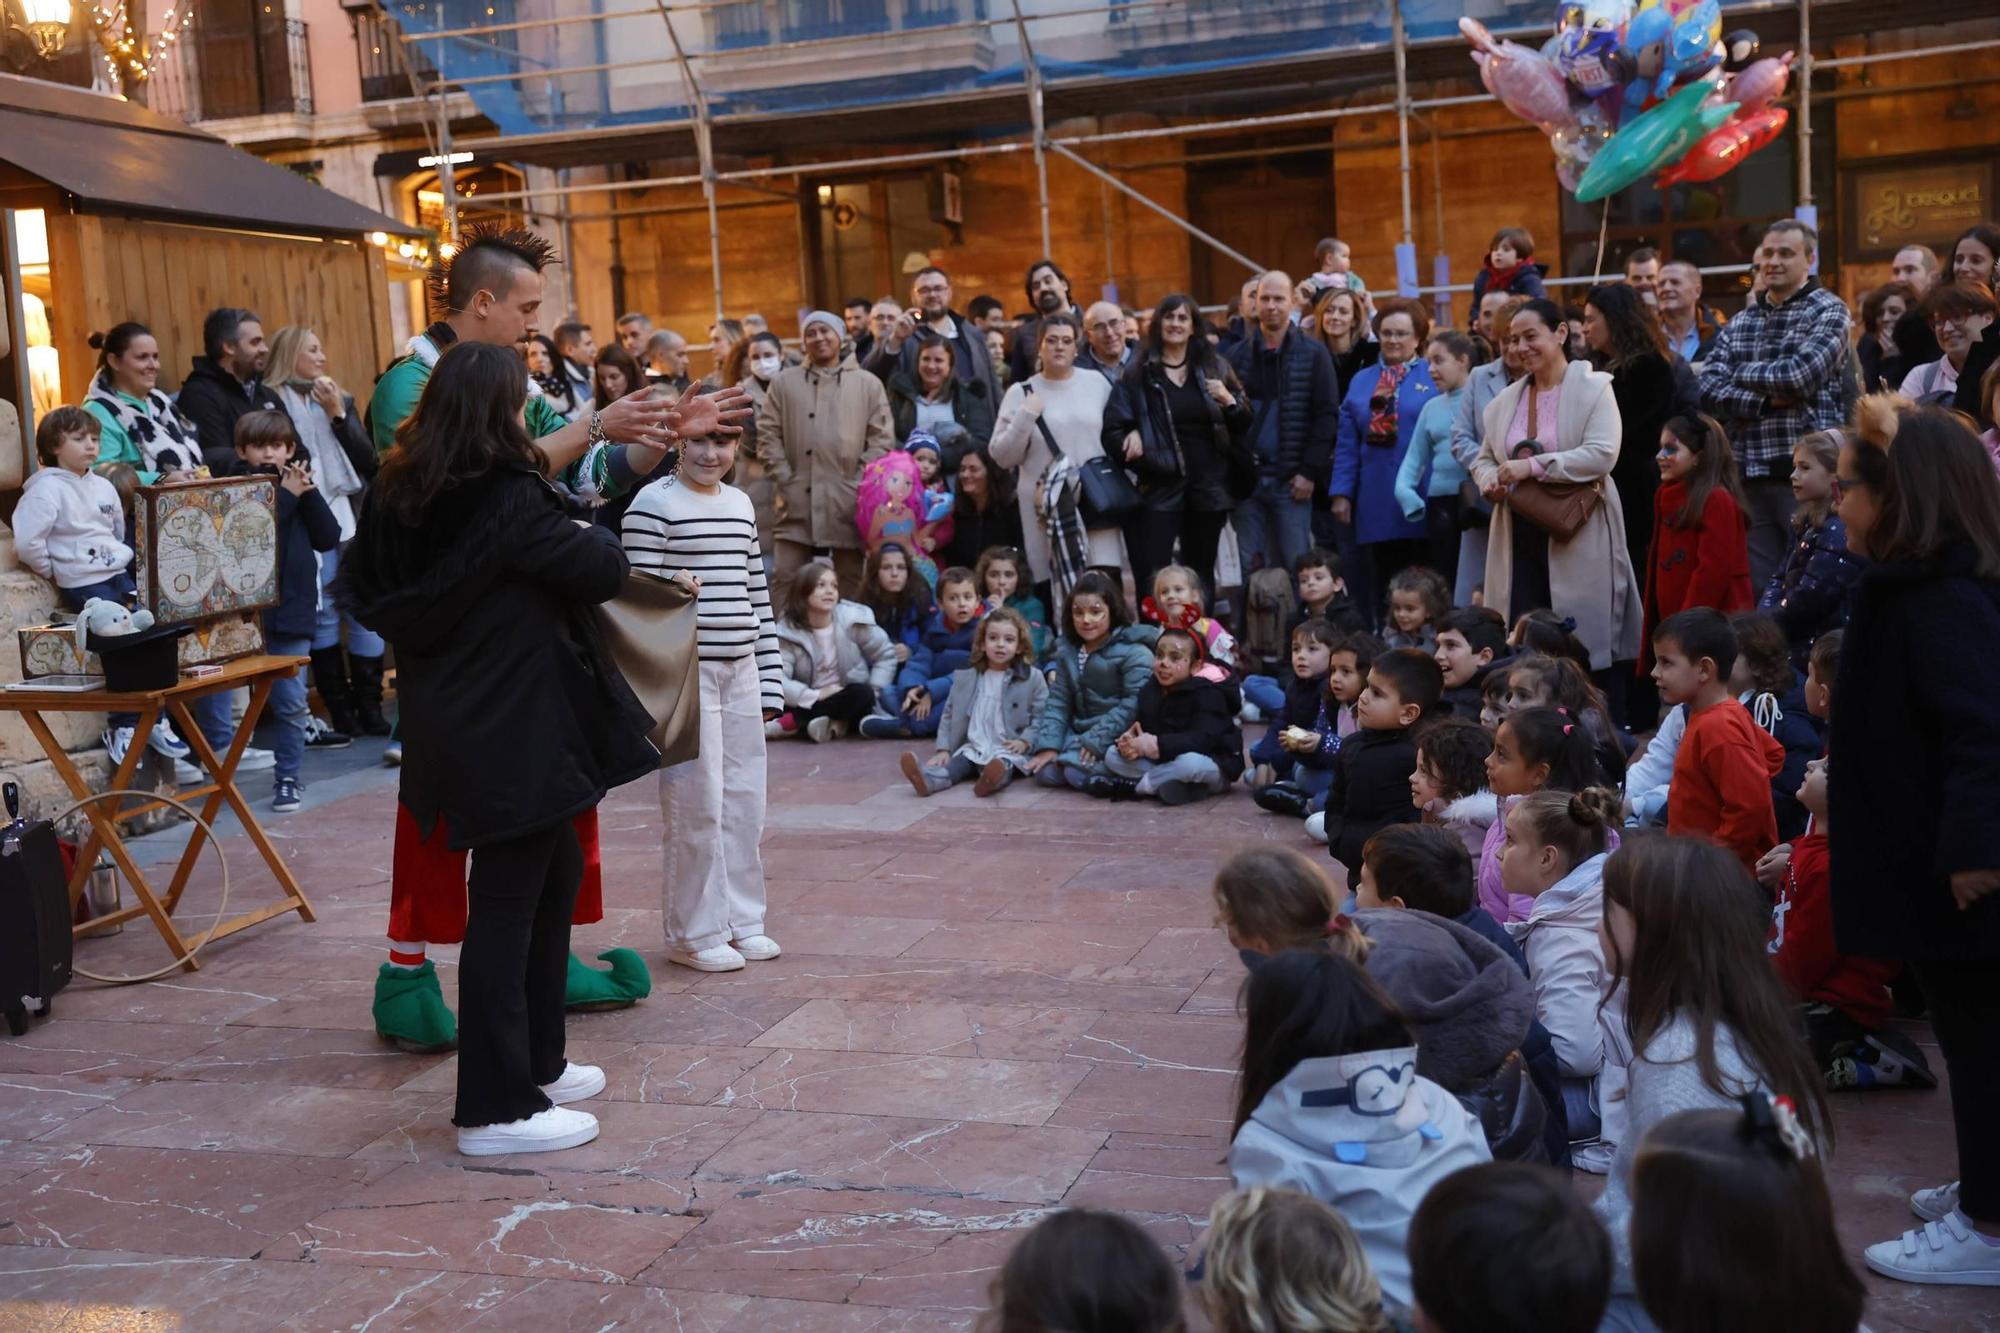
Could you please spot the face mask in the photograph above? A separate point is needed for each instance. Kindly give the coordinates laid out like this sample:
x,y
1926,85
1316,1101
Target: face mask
x,y
764,367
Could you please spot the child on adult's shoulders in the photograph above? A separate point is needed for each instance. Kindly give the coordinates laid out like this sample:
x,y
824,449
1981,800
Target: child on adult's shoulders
x,y
1371,784
1184,744
1722,774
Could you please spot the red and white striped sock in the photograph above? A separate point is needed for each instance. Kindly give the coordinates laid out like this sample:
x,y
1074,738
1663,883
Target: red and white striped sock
x,y
406,955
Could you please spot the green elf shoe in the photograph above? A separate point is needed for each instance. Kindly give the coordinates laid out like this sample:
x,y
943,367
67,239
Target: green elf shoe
x,y
589,990
410,1010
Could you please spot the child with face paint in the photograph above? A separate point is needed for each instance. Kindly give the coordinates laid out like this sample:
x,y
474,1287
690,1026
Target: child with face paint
x,y
1185,742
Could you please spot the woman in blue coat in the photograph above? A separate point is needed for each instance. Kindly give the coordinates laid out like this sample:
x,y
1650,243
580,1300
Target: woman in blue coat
x,y
1376,421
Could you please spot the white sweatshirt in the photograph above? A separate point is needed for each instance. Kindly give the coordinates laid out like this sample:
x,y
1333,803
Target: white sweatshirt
x,y
70,529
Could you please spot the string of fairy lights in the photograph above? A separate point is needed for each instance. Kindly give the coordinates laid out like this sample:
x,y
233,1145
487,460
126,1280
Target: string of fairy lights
x,y
128,53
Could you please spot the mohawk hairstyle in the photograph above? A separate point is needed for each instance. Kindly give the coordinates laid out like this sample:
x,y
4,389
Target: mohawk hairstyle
x,y
484,250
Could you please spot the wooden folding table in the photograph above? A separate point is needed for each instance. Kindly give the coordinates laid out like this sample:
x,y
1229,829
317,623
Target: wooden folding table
x,y
259,673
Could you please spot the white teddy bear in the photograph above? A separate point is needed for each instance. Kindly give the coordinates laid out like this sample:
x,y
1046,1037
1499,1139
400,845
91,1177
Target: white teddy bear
x,y
100,619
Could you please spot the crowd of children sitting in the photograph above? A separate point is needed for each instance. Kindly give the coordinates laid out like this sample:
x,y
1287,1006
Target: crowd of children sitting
x,y
1512,970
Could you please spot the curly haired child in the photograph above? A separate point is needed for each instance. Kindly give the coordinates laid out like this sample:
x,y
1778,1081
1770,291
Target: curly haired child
x,y
994,703
898,598
1418,599
1282,1262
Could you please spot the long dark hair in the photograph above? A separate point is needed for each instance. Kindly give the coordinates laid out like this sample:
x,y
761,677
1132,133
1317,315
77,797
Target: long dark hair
x,y
1302,1005
1096,583
1200,351
1635,329
1714,467
618,359
1699,926
467,424
999,484
1932,480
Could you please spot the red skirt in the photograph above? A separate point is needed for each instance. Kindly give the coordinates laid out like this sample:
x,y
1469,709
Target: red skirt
x,y
427,882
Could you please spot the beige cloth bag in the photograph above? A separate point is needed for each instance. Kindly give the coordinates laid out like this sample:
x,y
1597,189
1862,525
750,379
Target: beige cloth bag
x,y
649,629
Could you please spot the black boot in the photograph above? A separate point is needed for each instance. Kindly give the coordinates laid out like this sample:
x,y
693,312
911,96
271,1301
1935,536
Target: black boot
x,y
329,671
1111,787
366,674
1283,798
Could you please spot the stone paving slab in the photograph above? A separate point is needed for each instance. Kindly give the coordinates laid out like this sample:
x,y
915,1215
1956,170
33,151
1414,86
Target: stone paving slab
x,y
986,1009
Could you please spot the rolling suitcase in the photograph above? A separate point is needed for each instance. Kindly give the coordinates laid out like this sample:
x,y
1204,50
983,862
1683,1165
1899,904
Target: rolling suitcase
x,y
35,942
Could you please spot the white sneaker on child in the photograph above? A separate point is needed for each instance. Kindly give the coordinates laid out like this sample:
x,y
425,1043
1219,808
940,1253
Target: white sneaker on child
x,y
1932,1204
549,1131
756,948
715,958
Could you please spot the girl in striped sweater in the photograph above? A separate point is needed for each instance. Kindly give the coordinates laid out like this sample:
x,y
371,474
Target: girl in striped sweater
x,y
692,528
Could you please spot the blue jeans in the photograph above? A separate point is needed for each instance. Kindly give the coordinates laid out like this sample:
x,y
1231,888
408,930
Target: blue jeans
x,y
289,710
1265,694
1197,770
326,632
1272,529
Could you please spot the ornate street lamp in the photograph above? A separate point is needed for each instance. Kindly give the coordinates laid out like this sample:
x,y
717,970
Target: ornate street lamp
x,y
47,26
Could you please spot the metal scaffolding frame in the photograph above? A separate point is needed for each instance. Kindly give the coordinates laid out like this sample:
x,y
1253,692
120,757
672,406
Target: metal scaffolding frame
x,y
1041,144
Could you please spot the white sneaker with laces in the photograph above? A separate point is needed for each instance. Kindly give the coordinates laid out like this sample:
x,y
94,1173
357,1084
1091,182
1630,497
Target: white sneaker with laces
x,y
255,760
549,1131
1316,826
715,958
577,1083
117,744
756,948
1946,1251
1932,1204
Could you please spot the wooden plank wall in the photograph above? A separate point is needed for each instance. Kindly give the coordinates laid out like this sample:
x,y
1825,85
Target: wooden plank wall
x,y
168,277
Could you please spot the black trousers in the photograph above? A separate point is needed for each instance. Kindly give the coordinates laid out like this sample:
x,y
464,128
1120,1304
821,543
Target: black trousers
x,y
1965,1017
1441,536
511,972
1150,539
850,703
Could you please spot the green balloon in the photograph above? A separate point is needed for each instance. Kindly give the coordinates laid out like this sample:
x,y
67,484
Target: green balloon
x,y
1659,136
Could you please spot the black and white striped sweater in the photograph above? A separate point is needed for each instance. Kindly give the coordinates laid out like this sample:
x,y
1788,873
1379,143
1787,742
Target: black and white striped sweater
x,y
670,528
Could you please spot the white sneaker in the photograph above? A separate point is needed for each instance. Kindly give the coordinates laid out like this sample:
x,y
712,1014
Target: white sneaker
x,y
117,743
255,760
1945,1251
1932,1204
392,755
187,774
1250,713
578,1083
756,948
820,730
1316,826
716,958
550,1131
164,740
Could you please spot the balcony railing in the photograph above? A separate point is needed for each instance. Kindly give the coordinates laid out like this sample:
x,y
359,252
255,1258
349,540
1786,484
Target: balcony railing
x,y
242,62
385,76
764,22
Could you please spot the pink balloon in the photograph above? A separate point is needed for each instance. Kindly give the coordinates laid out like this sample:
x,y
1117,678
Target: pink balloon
x,y
1526,82
1761,82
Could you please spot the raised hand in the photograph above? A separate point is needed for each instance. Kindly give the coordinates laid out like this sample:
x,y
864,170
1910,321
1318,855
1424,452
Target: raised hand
x,y
721,412
639,418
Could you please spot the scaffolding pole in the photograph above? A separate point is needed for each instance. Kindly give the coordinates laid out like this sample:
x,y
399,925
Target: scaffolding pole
x,y
1406,252
1159,208
447,186
1032,69
1805,104
704,147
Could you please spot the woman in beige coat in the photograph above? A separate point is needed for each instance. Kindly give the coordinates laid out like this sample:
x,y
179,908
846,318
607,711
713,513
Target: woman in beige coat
x,y
1568,411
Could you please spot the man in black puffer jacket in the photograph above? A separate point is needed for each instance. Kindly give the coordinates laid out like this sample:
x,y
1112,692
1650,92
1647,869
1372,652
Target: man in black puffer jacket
x,y
1289,379
226,383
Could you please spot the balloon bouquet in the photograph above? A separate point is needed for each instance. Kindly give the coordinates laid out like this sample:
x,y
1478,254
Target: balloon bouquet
x,y
1625,91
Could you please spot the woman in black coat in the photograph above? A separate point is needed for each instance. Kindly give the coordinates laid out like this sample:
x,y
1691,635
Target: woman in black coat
x,y
1915,782
1177,418
1626,342
984,512
515,720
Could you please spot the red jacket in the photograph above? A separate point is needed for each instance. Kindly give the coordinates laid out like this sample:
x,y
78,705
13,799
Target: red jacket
x,y
1704,565
1802,943
1721,787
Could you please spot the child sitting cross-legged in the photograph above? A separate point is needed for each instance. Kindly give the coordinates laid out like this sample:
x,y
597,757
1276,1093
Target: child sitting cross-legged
x,y
837,659
1721,786
943,648
1293,764
899,597
1283,1262
1844,998
1101,664
1371,775
1184,743
1330,1104
1508,1248
994,705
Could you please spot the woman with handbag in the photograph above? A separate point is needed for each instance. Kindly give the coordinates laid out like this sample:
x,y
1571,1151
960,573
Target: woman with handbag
x,y
1180,421
515,722
1557,539
694,529
1058,414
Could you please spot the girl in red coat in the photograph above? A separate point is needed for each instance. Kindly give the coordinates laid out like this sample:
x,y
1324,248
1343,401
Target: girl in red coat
x,y
1700,555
